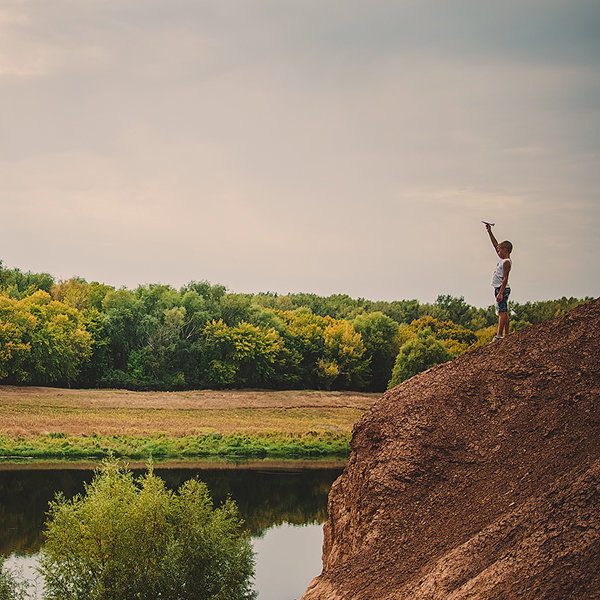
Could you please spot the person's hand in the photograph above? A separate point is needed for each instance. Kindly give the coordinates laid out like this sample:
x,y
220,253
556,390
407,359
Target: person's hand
x,y
488,227
499,296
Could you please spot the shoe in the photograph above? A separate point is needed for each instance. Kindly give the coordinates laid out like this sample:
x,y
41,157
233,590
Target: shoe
x,y
497,337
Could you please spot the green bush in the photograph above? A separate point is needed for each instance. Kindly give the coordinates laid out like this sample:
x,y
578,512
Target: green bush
x,y
416,355
127,539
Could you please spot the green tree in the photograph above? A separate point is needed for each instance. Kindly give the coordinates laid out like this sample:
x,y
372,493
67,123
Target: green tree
x,y
236,308
197,313
380,337
533,313
123,314
212,296
18,284
99,361
163,334
244,356
401,311
454,309
416,355
129,538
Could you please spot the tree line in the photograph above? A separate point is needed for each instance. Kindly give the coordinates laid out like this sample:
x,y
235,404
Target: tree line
x,y
84,334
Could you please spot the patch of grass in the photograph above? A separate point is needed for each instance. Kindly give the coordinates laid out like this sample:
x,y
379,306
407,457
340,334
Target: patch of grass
x,y
52,423
268,444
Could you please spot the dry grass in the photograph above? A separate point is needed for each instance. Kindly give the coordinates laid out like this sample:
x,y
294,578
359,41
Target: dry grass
x,y
32,411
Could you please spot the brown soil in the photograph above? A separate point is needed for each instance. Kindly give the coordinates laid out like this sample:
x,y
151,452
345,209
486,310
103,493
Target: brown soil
x,y
477,479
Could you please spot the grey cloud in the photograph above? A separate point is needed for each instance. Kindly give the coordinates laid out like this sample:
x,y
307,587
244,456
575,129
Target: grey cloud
x,y
325,146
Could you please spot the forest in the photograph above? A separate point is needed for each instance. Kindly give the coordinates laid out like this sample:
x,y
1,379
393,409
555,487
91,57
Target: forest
x,y
155,337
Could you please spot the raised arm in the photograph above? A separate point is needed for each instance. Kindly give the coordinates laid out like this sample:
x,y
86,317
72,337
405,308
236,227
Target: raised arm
x,y
492,237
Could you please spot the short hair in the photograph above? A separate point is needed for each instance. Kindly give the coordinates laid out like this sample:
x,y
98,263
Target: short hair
x,y
506,244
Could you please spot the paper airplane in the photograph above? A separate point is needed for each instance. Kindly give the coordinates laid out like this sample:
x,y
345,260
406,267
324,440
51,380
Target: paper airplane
x,y
488,223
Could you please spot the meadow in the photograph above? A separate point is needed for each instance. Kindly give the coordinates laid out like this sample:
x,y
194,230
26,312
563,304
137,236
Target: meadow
x,y
41,422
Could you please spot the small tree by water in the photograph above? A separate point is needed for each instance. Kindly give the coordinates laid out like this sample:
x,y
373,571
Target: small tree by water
x,y
133,539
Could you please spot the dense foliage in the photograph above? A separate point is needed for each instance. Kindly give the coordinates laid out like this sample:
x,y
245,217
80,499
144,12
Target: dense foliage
x,y
420,353
134,538
156,337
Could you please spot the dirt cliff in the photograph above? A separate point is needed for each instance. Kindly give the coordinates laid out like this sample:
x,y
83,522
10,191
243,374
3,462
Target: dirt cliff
x,y
478,479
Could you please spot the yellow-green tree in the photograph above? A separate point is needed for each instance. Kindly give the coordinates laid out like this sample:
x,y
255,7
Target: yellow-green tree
x,y
243,356
12,349
331,353
456,338
80,294
345,349
48,340
304,335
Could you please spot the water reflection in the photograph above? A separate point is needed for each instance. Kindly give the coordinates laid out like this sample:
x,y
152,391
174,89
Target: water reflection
x,y
287,558
267,495
271,497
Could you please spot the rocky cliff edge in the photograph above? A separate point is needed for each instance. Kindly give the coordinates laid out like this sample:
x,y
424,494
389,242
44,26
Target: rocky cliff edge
x,y
478,479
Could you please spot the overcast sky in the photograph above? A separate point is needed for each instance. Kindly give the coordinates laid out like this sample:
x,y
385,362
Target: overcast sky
x,y
330,146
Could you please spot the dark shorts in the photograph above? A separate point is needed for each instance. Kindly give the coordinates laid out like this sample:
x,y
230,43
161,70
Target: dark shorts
x,y
502,306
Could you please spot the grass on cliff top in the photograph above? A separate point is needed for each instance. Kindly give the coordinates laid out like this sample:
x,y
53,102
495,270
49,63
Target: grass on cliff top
x,y
55,423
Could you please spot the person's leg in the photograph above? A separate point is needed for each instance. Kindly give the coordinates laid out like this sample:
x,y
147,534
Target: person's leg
x,y
504,312
499,309
502,307
503,323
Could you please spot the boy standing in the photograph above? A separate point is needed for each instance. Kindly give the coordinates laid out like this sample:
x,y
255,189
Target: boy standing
x,y
500,282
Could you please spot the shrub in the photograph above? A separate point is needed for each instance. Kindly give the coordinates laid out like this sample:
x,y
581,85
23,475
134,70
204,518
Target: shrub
x,y
129,538
417,355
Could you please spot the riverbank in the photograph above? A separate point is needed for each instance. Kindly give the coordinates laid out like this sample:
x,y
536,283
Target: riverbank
x,y
43,423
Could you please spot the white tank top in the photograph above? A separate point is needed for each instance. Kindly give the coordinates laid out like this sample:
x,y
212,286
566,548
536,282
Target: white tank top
x,y
498,275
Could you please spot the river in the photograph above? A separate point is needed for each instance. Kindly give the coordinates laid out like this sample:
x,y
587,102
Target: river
x,y
283,503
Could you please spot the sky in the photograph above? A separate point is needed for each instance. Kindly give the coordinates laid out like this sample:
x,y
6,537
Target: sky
x,y
330,146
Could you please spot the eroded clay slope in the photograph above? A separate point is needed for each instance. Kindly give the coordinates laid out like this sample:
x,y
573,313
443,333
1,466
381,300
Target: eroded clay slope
x,y
477,479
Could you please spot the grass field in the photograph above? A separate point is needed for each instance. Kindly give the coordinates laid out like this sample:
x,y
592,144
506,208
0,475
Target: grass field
x,y
51,423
